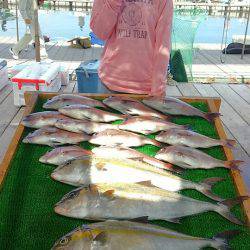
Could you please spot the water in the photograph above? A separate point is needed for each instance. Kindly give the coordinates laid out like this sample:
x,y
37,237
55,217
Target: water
x,y
65,25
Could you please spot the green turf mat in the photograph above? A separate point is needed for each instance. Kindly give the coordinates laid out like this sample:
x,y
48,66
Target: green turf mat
x,y
27,219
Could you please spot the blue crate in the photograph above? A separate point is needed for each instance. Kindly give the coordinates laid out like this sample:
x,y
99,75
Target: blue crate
x,y
88,80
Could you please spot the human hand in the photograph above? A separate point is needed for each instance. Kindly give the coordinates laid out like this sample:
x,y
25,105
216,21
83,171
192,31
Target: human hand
x,y
27,21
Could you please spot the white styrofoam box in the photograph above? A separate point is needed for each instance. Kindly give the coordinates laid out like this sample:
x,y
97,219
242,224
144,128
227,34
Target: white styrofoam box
x,y
37,77
64,73
13,71
3,73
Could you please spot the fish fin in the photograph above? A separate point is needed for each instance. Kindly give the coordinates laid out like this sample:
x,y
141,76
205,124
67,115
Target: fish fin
x,y
206,187
176,169
211,116
234,164
101,238
229,143
224,238
174,220
143,219
146,183
109,193
138,158
93,188
224,209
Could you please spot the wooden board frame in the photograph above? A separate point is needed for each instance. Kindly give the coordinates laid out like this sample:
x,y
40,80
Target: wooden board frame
x,y
213,105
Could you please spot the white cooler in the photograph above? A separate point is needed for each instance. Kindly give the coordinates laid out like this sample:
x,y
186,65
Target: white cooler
x,y
64,73
36,77
3,73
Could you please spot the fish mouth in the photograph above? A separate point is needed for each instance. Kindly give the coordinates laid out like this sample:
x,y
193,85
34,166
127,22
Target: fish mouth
x,y
43,159
59,209
26,140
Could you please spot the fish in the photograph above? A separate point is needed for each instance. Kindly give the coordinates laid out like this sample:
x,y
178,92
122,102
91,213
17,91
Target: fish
x,y
132,235
61,155
191,139
130,106
129,153
41,119
86,126
94,170
148,125
52,136
115,137
62,100
79,111
126,201
191,158
174,106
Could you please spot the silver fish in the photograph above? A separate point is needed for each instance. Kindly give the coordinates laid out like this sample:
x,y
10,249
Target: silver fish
x,y
148,125
191,139
93,170
174,106
86,112
62,100
191,158
52,136
132,200
61,155
129,153
87,126
131,106
115,137
124,235
41,119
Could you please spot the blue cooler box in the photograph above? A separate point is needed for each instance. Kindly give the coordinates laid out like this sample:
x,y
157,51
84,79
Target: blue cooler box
x,y
87,77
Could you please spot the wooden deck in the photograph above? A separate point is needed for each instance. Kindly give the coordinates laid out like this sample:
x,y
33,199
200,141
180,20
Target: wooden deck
x,y
235,106
207,66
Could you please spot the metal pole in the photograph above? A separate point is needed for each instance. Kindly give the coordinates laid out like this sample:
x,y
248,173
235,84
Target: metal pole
x,y
37,39
17,24
245,38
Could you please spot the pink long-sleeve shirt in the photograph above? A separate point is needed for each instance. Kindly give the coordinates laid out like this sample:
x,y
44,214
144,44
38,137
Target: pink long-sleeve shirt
x,y
137,49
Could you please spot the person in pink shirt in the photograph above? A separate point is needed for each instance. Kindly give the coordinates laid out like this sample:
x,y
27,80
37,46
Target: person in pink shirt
x,y
138,41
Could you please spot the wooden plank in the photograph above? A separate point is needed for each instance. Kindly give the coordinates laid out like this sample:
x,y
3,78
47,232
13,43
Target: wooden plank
x,y
188,89
9,110
30,100
240,153
6,137
242,90
70,87
230,117
4,92
237,178
172,90
206,90
238,104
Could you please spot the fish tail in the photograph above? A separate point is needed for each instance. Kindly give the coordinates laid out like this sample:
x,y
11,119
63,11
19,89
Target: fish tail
x,y
221,240
211,116
207,185
225,206
234,164
229,143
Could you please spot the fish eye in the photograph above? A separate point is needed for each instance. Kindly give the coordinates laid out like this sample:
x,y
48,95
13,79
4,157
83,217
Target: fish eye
x,y
64,241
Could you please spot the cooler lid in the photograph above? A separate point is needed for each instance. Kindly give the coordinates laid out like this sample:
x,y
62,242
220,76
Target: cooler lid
x,y
3,63
90,66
